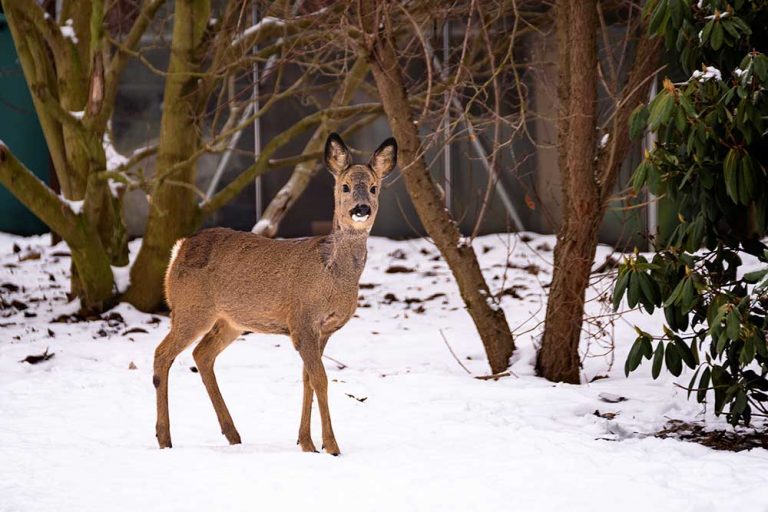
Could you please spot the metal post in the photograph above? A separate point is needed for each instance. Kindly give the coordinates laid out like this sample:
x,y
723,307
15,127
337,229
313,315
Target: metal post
x,y
257,123
499,188
446,122
649,141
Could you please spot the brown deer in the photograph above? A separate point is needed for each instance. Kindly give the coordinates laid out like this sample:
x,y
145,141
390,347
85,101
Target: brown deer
x,y
221,283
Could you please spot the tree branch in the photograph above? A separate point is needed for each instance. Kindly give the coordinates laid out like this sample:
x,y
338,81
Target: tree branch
x,y
643,70
262,164
303,172
35,194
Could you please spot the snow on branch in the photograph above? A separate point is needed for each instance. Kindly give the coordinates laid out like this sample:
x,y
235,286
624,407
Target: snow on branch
x,y
267,21
68,31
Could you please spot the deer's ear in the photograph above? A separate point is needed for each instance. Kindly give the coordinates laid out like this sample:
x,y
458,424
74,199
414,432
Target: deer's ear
x,y
384,159
337,157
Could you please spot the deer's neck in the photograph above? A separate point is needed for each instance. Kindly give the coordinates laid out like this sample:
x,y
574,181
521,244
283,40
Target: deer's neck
x,y
344,252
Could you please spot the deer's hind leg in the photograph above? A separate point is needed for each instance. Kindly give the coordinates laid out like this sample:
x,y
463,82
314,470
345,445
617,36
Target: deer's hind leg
x,y
185,329
218,338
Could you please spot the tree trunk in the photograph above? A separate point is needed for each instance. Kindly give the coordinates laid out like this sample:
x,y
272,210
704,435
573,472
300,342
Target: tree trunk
x,y
589,175
489,319
173,207
558,358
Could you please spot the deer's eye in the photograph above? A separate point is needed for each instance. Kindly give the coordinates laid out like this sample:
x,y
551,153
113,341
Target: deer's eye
x,y
345,187
373,189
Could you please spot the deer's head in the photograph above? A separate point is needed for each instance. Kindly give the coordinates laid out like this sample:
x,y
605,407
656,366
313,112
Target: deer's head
x,y
357,188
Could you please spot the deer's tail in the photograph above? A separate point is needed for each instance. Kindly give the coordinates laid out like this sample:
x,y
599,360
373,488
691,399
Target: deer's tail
x,y
171,262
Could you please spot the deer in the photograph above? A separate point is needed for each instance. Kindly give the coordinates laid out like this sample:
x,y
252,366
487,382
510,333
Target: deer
x,y
221,283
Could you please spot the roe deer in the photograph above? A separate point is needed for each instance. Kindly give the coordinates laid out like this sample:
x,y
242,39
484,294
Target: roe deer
x,y
221,283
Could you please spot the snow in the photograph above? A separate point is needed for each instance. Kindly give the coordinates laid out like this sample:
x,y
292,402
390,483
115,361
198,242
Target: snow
x,y
604,139
68,31
77,431
75,206
717,16
709,72
115,159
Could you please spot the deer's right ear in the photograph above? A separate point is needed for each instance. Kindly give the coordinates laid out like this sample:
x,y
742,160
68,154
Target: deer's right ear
x,y
337,157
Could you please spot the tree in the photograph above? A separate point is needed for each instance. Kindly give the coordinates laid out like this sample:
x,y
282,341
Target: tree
x,y
378,44
73,64
710,162
588,170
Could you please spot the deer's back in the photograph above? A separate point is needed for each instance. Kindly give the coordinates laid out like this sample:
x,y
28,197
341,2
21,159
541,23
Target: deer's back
x,y
257,283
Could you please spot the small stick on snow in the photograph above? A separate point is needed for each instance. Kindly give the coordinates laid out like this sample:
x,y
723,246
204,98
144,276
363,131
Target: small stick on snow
x,y
338,363
497,376
453,353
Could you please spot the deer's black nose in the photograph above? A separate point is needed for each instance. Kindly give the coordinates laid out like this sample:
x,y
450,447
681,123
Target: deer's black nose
x,y
362,210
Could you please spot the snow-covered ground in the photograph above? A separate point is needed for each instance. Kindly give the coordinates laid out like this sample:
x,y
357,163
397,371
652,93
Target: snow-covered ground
x,y
416,431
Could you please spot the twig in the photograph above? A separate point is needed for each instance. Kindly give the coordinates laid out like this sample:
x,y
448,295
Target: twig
x,y
453,353
497,376
340,365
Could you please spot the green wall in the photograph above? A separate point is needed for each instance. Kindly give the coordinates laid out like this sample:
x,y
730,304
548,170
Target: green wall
x,y
20,131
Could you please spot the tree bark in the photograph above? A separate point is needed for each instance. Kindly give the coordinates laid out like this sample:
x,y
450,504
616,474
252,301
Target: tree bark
x,y
489,319
173,206
558,359
588,176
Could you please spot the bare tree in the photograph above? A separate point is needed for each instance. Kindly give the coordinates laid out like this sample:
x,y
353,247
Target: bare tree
x,y
379,43
589,171
73,61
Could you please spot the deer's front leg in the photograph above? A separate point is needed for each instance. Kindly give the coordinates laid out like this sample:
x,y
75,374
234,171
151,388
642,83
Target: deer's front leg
x,y
311,354
305,433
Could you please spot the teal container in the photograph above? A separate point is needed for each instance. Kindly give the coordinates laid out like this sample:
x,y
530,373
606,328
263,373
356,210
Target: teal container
x,y
20,131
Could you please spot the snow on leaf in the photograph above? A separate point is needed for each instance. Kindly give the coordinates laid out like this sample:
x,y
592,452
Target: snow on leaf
x,y
708,73
717,16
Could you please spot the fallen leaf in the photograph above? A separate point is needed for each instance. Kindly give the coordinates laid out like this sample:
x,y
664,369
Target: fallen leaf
x,y
31,255
134,330
398,269
39,358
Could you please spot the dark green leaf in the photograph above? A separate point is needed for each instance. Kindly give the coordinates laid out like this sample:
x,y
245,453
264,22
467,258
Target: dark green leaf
x,y
638,121
673,360
658,358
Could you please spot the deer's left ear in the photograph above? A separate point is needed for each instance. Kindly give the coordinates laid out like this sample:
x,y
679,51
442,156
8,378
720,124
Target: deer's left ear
x,y
384,159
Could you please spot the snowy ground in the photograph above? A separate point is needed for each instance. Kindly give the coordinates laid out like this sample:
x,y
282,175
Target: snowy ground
x,y
416,431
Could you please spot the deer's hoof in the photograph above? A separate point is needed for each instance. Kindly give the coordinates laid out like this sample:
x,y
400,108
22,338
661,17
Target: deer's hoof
x,y
332,448
307,445
164,442
232,436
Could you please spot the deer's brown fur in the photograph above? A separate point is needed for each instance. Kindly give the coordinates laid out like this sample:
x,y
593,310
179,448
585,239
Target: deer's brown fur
x,y
221,283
